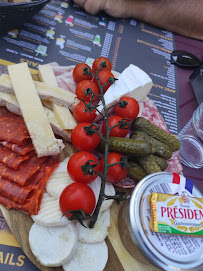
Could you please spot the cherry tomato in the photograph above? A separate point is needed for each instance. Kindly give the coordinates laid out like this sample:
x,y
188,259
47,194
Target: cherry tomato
x,y
83,141
103,77
77,196
80,88
98,61
75,170
130,111
81,116
117,131
78,73
115,173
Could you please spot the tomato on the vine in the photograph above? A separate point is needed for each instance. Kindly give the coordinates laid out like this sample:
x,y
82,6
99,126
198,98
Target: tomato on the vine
x,y
81,116
77,196
85,84
104,77
83,141
115,173
98,61
116,131
78,73
74,167
130,111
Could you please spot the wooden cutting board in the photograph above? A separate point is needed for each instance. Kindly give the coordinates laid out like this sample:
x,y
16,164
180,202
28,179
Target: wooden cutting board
x,y
119,259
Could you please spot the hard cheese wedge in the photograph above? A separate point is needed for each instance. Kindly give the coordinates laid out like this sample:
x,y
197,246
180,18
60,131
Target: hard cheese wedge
x,y
133,82
33,113
45,92
61,113
11,103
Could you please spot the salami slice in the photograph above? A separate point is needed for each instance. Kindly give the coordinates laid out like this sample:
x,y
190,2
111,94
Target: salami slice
x,y
33,200
20,149
12,159
24,171
12,128
151,113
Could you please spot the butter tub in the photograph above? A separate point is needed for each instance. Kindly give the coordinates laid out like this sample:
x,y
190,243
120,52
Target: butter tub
x,y
165,251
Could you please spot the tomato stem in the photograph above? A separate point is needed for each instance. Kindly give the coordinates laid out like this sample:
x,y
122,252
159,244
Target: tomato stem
x,y
119,196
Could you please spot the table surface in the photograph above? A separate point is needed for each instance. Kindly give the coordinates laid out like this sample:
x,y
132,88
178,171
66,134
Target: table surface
x,y
187,100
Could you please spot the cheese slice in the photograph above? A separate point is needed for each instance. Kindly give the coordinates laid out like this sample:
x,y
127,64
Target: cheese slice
x,y
47,75
11,103
61,113
33,113
133,82
54,94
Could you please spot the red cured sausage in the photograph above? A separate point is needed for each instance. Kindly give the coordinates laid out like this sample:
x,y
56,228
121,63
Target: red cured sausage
x,y
12,128
20,149
29,201
12,159
25,170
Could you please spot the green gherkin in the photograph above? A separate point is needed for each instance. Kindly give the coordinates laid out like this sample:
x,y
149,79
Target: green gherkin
x,y
149,164
162,149
136,172
146,126
128,146
161,162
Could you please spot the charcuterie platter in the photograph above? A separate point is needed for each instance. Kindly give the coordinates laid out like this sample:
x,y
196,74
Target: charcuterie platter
x,y
54,115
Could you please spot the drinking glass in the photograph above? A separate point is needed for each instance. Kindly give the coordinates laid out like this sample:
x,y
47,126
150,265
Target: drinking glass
x,y
191,140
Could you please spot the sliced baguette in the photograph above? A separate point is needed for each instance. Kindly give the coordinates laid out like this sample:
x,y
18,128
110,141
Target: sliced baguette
x,y
53,246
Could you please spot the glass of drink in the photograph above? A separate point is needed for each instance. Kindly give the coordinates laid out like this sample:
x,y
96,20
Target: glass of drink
x,y
191,140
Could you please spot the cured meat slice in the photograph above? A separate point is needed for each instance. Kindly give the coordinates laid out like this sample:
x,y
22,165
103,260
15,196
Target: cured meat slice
x,y
20,149
12,159
12,128
14,191
151,113
25,170
32,204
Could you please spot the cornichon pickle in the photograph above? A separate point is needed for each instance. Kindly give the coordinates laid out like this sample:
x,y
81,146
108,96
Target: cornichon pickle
x,y
162,149
149,164
161,162
136,172
154,131
128,146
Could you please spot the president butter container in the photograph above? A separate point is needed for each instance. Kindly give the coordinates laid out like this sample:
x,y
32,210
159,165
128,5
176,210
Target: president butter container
x,y
165,251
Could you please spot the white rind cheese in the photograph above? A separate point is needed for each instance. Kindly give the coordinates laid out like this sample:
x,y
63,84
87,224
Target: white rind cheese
x,y
132,82
33,113
53,246
98,233
50,214
88,257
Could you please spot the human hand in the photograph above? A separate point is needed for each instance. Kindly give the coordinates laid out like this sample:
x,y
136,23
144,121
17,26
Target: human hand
x,y
115,8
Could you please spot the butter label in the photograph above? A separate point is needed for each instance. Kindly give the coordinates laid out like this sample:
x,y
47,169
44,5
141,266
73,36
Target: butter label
x,y
176,214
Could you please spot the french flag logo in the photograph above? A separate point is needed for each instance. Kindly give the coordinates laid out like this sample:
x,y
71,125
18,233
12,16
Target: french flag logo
x,y
181,180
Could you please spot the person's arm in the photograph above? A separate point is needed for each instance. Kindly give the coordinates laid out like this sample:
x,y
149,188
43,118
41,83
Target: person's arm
x,y
184,17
